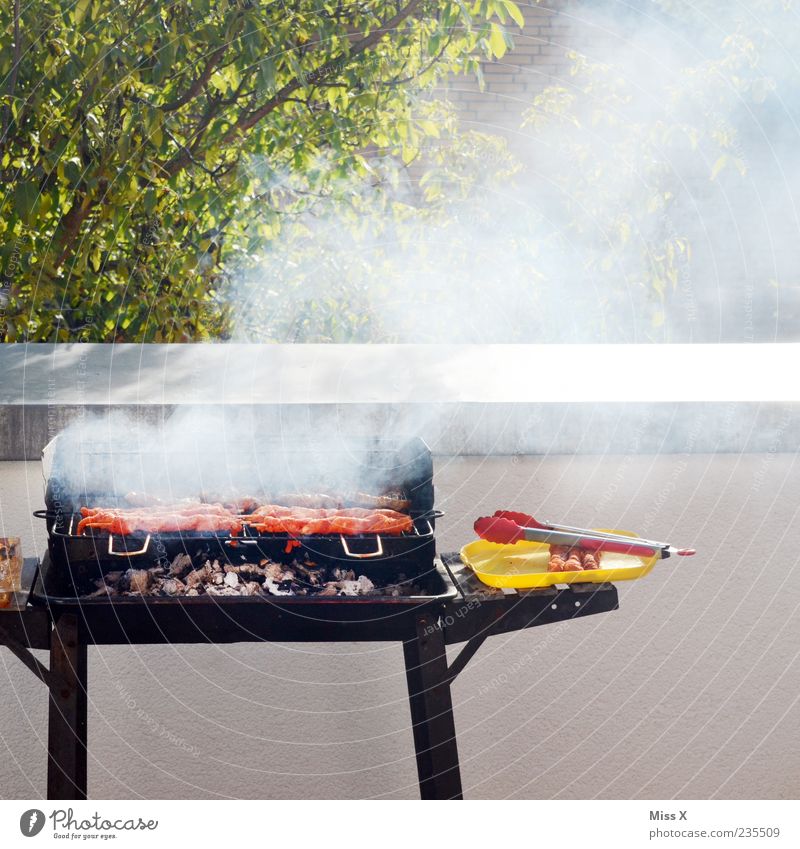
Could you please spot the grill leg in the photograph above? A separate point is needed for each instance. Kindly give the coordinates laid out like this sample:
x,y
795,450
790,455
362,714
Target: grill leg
x,y
66,742
432,713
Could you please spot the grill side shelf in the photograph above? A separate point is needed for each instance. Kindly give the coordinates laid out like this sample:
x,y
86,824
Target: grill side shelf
x,y
482,610
22,625
19,598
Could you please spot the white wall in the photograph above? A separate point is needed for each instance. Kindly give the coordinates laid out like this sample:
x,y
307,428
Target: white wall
x,y
691,689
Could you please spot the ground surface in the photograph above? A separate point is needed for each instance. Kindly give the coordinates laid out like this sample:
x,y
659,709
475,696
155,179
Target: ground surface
x,y
689,690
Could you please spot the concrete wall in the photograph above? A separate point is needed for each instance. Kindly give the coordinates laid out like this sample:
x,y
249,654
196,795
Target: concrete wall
x,y
689,690
462,399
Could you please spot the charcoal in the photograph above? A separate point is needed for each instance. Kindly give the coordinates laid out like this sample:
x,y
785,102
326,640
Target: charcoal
x,y
246,569
103,590
206,575
197,576
273,571
138,581
180,565
311,575
172,586
273,588
365,586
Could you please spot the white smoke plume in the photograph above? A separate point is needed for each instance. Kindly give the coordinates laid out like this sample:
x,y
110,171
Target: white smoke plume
x,y
656,201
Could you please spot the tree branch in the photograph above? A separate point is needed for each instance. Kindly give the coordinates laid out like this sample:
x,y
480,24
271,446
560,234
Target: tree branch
x,y
393,83
12,80
247,120
197,85
71,225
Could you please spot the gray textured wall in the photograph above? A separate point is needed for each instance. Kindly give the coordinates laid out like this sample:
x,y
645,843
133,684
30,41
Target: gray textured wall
x,y
690,689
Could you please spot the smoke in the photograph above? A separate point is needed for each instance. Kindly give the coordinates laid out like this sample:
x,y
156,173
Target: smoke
x,y
221,452
647,195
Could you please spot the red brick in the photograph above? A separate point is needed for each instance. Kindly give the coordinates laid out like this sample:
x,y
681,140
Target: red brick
x,y
495,79
504,88
539,11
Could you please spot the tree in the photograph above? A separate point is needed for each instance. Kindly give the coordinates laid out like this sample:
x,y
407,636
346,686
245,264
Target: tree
x,y
143,146
663,172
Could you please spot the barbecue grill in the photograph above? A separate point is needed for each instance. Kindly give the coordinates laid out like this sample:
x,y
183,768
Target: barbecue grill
x,y
451,606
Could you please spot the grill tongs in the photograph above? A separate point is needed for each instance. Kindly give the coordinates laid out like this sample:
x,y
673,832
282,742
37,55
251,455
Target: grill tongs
x,y
508,527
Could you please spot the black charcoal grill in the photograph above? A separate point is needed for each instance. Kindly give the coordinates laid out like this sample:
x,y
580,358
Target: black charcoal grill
x,y
78,560
52,612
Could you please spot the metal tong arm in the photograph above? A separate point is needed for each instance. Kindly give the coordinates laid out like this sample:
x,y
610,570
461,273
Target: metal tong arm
x,y
619,544
606,535
507,531
529,523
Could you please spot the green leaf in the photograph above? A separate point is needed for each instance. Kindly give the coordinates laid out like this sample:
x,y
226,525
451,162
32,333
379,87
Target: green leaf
x,y
497,41
95,259
266,72
409,154
219,81
515,13
25,197
111,160
81,8
719,165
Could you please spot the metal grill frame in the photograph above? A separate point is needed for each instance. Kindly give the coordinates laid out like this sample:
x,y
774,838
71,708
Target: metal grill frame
x,y
469,615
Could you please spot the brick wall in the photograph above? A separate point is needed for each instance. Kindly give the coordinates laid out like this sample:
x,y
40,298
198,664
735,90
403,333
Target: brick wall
x,y
735,290
552,29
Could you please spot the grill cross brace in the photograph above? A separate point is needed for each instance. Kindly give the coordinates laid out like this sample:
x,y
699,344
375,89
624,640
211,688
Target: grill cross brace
x,y
476,614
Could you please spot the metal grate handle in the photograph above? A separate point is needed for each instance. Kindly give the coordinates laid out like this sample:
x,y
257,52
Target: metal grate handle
x,y
427,533
377,553
126,553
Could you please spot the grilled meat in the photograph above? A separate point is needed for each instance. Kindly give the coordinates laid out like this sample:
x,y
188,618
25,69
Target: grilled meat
x,y
306,521
590,559
387,501
566,559
313,500
169,518
558,554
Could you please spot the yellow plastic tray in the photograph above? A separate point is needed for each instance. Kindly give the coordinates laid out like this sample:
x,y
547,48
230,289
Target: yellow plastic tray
x,y
524,565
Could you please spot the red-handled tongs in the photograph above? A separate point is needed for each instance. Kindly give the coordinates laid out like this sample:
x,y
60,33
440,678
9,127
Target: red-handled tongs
x,y
509,527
